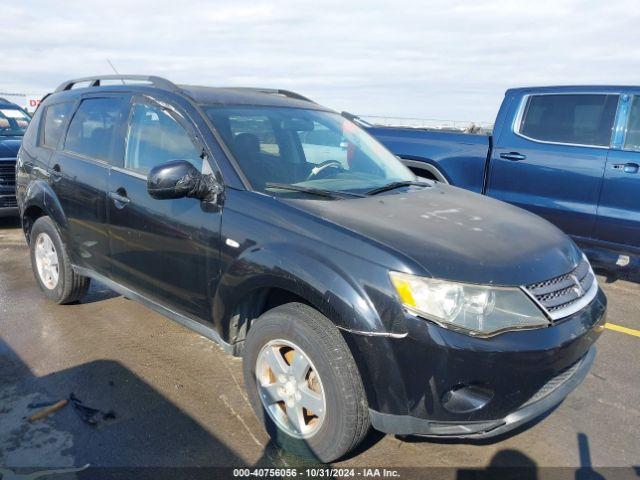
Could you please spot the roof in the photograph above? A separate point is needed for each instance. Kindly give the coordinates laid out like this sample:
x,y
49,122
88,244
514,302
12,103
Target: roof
x,y
199,94
576,89
248,96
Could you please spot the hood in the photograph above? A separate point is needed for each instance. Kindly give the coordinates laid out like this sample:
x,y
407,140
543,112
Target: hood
x,y
9,146
457,235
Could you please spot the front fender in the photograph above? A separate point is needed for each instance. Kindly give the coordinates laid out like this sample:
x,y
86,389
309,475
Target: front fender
x,y
324,283
333,283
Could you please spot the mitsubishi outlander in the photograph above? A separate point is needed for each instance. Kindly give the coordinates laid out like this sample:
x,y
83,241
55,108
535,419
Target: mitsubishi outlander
x,y
358,294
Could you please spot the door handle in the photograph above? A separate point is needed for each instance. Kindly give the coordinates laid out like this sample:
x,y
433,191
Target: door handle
x,y
119,198
56,173
627,167
513,156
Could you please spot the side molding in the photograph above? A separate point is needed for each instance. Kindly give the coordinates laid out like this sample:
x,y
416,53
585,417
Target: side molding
x,y
183,320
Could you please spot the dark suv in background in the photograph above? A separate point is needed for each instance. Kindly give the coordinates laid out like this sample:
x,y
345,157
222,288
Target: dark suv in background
x,y
357,293
13,124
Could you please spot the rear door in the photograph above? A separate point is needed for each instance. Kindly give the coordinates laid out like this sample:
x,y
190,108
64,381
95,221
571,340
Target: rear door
x,y
79,170
552,158
166,250
619,208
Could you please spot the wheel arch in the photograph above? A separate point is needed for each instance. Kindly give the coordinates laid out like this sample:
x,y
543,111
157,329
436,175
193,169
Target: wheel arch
x,y
278,278
39,201
421,166
260,279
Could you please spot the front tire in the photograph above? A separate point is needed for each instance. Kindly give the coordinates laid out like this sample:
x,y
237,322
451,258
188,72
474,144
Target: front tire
x,y
303,383
51,265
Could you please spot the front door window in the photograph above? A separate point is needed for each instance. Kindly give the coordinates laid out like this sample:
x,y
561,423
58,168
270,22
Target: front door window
x,y
155,137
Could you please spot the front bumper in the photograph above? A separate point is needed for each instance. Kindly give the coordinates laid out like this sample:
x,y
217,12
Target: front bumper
x,y
408,380
406,424
9,212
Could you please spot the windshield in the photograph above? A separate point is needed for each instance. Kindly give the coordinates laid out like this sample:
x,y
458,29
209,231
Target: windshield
x,y
13,121
307,148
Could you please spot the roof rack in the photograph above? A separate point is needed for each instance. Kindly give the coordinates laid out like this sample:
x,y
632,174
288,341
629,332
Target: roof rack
x,y
159,82
276,91
356,119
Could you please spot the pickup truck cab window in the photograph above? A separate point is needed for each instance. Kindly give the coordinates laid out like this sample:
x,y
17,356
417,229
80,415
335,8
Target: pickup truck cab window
x,y
356,165
155,137
572,119
94,130
632,137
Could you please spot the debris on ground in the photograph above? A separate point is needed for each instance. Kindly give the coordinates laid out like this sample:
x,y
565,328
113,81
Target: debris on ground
x,y
45,412
90,415
41,404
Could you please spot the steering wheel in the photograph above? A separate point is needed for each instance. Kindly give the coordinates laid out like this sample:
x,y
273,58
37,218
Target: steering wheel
x,y
322,166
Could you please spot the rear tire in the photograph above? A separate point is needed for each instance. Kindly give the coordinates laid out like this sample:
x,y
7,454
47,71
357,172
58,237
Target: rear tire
x,y
51,265
301,334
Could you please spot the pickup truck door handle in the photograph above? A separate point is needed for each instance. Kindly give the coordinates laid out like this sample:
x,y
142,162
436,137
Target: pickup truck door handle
x,y
627,167
513,156
119,198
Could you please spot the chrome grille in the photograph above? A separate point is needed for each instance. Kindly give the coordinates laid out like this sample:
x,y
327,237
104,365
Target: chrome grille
x,y
564,295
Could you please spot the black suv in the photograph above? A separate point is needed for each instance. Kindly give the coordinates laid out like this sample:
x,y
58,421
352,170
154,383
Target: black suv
x,y
13,123
357,293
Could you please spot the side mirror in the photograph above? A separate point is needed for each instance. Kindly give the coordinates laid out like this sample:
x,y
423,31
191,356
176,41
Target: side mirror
x,y
178,179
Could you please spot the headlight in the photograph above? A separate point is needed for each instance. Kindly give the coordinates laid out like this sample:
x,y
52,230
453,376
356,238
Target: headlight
x,y
477,309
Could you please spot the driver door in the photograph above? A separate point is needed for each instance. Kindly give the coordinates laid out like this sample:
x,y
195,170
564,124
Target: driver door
x,y
166,250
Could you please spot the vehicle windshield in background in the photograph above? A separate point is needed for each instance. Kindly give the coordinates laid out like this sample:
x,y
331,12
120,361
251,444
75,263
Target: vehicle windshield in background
x,y
310,149
13,121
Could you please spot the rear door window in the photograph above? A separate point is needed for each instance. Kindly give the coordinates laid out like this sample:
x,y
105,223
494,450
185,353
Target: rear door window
x,y
95,129
55,118
577,119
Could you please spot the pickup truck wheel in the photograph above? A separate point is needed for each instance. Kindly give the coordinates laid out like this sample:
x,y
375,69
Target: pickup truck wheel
x,y
51,265
303,383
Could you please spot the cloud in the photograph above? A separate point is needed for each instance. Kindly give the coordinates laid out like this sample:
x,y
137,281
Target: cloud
x,y
434,59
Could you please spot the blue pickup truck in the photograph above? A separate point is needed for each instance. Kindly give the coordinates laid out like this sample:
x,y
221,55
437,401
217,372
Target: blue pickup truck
x,y
569,154
13,123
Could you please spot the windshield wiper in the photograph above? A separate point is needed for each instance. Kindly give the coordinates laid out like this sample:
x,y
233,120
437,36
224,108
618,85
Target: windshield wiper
x,y
313,191
394,185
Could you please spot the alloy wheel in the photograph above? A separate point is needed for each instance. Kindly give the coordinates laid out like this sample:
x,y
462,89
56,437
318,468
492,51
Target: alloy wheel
x,y
47,261
290,388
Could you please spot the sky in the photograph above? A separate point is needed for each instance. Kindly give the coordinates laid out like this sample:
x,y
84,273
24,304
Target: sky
x,y
449,60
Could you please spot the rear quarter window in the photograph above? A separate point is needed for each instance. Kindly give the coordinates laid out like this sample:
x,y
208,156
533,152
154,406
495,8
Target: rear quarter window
x,y
30,136
578,119
55,118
